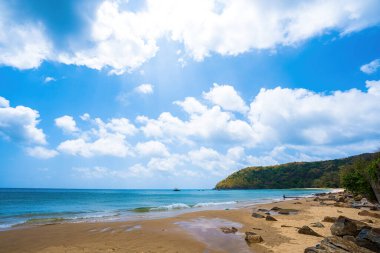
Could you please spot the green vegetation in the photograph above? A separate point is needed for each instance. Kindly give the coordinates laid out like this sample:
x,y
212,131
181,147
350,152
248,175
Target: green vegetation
x,y
363,177
295,175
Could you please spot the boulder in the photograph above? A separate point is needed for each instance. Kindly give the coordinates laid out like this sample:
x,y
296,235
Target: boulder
x,y
270,218
370,214
308,231
227,230
329,219
369,238
252,237
317,225
335,244
257,215
263,210
344,226
275,208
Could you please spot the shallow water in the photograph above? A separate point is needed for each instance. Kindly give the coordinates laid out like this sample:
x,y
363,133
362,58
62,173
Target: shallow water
x,y
42,206
208,231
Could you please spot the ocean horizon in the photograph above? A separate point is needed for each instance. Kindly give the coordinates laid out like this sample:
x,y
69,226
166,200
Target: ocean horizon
x,y
39,206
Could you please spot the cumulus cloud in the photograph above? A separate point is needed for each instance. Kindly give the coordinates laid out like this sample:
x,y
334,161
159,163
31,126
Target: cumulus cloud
x,y
152,148
20,124
280,125
66,123
41,152
22,45
300,116
145,88
122,40
105,139
371,67
226,97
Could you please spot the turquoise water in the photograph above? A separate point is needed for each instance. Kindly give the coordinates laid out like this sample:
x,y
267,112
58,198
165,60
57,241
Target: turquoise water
x,y
41,206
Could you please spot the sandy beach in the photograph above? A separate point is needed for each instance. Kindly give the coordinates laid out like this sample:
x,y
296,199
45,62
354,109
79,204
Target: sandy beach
x,y
190,232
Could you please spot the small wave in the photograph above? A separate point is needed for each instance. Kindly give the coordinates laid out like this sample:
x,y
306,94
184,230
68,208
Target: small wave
x,y
207,204
141,209
44,220
175,206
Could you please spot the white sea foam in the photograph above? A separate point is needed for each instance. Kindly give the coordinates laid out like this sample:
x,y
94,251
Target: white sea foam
x,y
207,204
170,207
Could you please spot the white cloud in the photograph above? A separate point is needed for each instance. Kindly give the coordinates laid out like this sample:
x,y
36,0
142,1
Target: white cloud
x,y
122,40
4,102
109,145
22,45
371,67
41,152
49,79
191,105
20,124
66,123
300,116
226,97
145,88
105,139
152,148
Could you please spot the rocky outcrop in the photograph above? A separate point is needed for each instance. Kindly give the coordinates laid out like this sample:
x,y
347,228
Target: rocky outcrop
x,y
349,235
227,230
369,238
257,215
370,214
252,237
329,219
308,231
344,226
270,218
335,244
317,225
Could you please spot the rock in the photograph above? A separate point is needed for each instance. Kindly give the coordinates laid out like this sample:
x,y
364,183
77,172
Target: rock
x,y
270,218
349,238
329,219
308,231
369,238
275,208
344,226
284,212
317,225
370,214
263,210
297,203
286,226
252,237
358,197
335,244
227,230
257,215
367,220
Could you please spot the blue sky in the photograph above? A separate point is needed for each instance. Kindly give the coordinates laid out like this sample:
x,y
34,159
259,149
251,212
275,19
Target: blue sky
x,y
163,94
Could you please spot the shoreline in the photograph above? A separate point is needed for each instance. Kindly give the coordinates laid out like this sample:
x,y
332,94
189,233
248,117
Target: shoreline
x,y
196,231
149,213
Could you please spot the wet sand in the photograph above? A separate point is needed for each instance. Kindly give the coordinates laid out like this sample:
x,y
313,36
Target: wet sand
x,y
190,232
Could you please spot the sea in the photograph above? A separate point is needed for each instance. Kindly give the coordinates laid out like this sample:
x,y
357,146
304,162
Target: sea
x,y
20,207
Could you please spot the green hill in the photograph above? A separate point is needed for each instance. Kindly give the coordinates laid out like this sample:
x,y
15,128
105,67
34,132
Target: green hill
x,y
291,175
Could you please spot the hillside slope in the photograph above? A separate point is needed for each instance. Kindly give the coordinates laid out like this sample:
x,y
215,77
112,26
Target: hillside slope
x,y
291,175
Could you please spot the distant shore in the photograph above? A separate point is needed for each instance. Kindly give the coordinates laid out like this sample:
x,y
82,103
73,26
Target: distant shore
x,y
190,232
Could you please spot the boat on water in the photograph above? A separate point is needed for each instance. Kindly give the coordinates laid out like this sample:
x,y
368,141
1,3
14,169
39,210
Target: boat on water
x,y
176,190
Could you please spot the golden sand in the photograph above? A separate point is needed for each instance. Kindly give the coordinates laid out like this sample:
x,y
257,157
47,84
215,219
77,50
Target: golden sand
x,y
190,232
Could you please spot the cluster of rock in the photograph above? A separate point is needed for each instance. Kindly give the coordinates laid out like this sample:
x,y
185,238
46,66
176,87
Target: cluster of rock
x,y
349,235
345,199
